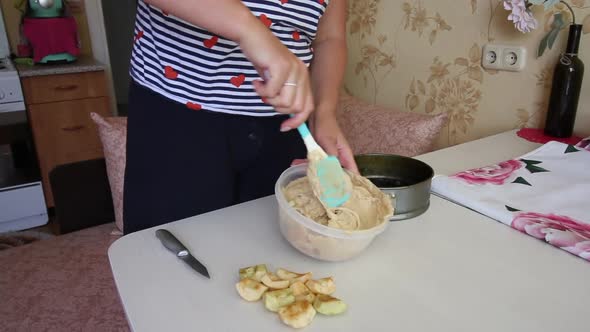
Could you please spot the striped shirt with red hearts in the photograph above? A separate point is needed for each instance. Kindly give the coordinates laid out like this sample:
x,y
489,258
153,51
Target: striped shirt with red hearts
x,y
207,72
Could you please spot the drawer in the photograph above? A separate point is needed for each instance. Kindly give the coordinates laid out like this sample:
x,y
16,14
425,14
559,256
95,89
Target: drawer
x,y
52,88
65,133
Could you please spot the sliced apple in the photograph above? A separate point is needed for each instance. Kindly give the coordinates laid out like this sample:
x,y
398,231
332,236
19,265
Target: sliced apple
x,y
247,272
302,278
250,290
276,299
286,274
309,297
261,271
298,314
293,276
301,292
273,281
324,286
253,272
299,288
328,305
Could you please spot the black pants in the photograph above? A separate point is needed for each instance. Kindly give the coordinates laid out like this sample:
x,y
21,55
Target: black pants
x,y
182,162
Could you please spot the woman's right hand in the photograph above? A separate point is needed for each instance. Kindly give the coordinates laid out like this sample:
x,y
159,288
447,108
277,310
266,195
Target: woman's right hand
x,y
285,82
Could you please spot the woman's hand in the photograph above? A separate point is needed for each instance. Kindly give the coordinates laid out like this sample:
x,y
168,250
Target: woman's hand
x,y
286,85
329,136
327,72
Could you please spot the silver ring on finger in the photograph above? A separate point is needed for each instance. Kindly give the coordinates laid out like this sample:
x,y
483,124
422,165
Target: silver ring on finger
x,y
290,84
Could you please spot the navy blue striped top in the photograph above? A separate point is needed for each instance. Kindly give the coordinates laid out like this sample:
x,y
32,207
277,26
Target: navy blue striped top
x,y
203,71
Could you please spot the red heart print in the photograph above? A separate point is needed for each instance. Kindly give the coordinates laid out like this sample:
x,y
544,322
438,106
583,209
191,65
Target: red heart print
x,y
193,106
284,1
238,80
321,2
170,73
296,35
265,20
138,36
209,43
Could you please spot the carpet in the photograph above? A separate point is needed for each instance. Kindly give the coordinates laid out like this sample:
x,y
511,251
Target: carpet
x,y
16,239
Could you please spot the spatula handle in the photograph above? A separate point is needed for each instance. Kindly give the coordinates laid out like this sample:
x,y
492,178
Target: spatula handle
x,y
308,139
304,130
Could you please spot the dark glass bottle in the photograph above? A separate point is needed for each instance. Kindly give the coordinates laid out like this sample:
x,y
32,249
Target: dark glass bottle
x,y
565,91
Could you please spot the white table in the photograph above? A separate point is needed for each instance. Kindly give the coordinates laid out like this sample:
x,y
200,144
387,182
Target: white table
x,y
449,269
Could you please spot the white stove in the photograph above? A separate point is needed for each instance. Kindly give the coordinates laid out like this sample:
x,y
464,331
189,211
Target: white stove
x,y
22,203
11,95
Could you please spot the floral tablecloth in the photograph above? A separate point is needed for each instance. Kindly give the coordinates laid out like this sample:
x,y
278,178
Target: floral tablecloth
x,y
545,194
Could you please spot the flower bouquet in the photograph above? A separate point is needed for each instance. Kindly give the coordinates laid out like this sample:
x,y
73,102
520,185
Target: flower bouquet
x,y
522,16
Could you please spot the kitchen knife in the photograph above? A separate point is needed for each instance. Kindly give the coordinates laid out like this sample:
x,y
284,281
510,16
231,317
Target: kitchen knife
x,y
173,244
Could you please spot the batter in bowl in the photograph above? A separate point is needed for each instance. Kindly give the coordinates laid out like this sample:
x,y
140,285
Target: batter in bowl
x,y
367,207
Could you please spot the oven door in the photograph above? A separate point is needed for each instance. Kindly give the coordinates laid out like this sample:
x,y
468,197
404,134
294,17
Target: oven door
x,y
22,204
18,160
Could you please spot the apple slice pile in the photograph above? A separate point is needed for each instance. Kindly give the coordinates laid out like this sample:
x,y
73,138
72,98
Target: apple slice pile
x,y
296,297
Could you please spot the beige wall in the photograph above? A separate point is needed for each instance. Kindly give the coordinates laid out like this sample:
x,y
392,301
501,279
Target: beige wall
x,y
425,56
12,17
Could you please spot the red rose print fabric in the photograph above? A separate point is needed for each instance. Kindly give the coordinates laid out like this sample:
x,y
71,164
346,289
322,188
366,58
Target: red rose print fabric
x,y
494,174
560,231
584,144
543,194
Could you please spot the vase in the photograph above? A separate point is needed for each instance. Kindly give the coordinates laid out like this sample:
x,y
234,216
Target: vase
x,y
565,91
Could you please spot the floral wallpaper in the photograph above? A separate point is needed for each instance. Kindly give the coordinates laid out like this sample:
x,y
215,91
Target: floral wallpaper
x,y
425,56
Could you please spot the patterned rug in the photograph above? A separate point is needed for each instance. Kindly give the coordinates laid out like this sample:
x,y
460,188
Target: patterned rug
x,y
15,239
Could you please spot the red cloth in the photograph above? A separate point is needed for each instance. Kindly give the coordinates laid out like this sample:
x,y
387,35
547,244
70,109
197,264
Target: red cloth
x,y
51,36
538,136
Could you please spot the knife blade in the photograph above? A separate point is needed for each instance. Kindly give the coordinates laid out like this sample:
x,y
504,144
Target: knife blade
x,y
171,243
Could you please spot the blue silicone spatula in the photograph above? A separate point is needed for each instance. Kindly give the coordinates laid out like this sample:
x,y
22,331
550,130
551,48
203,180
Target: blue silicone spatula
x,y
334,189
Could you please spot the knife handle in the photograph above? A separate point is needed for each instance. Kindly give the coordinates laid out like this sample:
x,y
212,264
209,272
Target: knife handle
x,y
170,242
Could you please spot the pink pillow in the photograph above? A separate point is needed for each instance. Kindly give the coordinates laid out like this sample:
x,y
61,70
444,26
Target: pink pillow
x,y
113,134
372,128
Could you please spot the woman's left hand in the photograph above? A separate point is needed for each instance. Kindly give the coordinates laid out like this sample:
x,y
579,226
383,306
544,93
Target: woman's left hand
x,y
329,136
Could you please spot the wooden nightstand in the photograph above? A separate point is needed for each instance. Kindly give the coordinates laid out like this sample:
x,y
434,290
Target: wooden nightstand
x,y
59,107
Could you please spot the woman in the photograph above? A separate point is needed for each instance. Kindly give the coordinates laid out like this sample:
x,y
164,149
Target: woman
x,y
212,84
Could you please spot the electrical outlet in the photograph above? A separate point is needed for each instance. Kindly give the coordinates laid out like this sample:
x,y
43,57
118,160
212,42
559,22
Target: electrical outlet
x,y
491,57
514,58
503,57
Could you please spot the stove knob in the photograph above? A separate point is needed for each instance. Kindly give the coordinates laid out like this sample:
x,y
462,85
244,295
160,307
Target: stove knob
x,y
2,95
